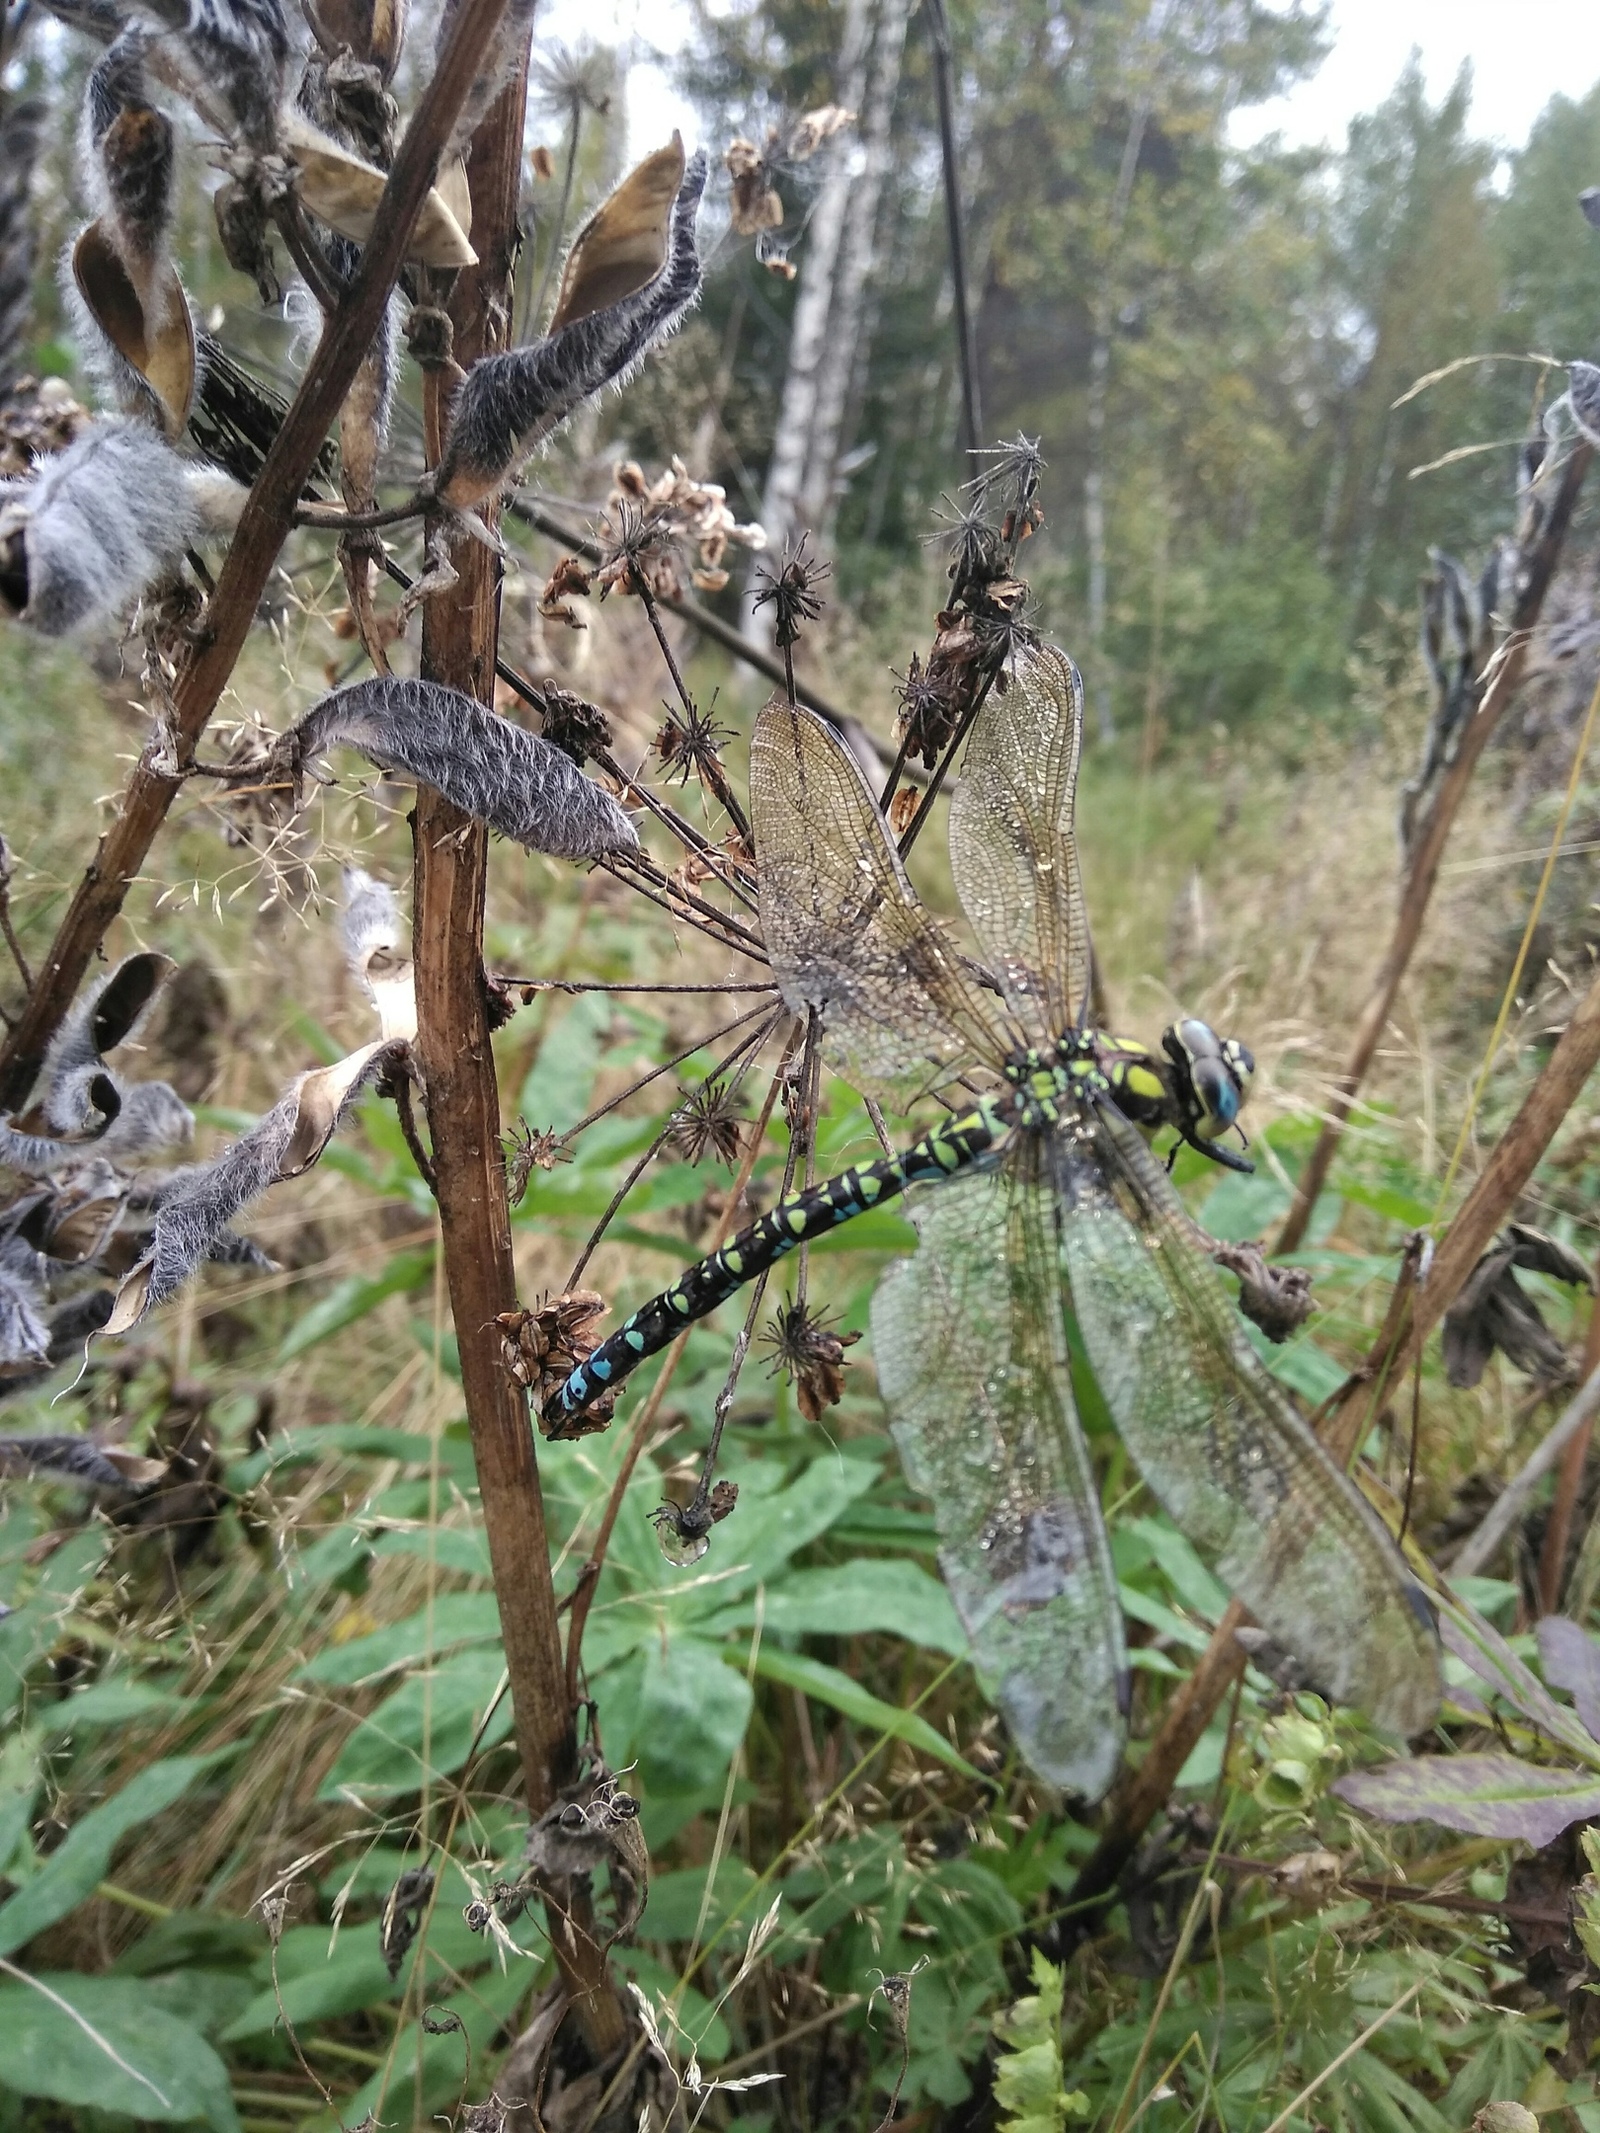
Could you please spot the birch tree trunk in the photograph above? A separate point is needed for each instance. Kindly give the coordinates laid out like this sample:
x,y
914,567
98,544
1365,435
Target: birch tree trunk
x,y
808,337
843,353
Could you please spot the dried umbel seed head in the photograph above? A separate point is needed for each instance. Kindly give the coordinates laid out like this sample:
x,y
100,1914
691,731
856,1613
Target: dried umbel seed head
x,y
791,591
707,1121
684,1530
639,552
688,745
930,710
527,1151
810,1355
542,1347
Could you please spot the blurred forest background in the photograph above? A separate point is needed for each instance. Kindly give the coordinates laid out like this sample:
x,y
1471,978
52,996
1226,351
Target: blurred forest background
x,y
278,1670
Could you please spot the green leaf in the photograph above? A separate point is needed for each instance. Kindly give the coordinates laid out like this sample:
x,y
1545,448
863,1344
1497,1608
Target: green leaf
x,y
304,1446
425,1730
774,1523
1488,1795
352,1299
80,1863
354,1977
30,1630
98,2043
691,1714
456,1618
828,1685
116,1701
847,1600
21,1773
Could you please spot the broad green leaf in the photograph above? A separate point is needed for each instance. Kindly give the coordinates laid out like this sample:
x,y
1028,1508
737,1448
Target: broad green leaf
x,y
455,1618
1488,1795
672,1909
426,2073
81,1861
99,2043
1571,1660
1491,1658
450,1547
21,1773
304,1446
352,1299
355,1976
113,1701
691,1715
870,1593
659,1982
424,1731
887,1594
828,1685
28,1633
1191,1582
772,1524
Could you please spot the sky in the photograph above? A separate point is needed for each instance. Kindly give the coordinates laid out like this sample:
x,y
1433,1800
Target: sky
x,y
1522,52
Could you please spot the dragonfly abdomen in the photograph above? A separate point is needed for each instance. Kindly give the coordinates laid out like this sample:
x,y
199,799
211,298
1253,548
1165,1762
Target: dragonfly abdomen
x,y
948,1148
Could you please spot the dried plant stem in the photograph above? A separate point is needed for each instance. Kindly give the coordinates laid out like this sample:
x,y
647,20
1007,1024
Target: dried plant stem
x,y
1416,1309
1431,840
1569,1482
1481,1545
966,346
713,773
266,519
459,634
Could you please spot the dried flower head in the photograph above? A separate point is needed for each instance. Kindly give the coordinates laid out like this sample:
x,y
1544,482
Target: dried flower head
x,y
1009,484
542,1347
708,1119
567,581
526,1152
684,1530
639,551
697,511
571,723
930,708
688,745
402,1916
810,1356
791,591
756,207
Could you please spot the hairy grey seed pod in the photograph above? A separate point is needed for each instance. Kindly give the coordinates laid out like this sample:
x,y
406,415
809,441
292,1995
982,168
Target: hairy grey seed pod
x,y
240,48
511,403
127,149
21,131
505,776
94,525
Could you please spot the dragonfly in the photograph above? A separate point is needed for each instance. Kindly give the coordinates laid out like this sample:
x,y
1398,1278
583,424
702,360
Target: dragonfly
x,y
1042,1198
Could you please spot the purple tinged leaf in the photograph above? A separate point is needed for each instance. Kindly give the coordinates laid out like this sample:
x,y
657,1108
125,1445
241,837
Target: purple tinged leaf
x,y
1491,1795
1469,1637
1571,1659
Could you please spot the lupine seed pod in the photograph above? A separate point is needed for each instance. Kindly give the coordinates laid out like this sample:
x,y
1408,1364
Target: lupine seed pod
x,y
239,49
97,524
505,776
631,275
21,131
373,31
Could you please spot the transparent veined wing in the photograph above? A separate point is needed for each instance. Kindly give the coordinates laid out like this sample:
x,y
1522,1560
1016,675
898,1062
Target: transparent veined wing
x,y
1012,847
845,930
972,1361
1219,1444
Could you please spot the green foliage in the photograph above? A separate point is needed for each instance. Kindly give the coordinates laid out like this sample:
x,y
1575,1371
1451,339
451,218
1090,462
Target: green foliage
x,y
1029,2083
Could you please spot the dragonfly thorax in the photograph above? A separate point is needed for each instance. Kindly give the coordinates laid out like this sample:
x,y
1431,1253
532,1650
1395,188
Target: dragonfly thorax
x,y
1196,1083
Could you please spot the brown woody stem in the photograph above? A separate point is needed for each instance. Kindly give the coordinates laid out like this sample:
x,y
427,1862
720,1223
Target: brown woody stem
x,y
1424,869
459,634
266,519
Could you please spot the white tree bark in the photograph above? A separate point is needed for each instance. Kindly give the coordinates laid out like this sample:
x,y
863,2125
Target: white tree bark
x,y
842,352
809,334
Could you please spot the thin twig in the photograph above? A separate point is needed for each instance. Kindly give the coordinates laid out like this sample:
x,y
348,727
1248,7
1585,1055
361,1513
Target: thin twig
x,y
943,72
576,985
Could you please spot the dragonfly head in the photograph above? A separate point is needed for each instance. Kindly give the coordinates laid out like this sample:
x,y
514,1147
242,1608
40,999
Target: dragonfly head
x,y
1213,1076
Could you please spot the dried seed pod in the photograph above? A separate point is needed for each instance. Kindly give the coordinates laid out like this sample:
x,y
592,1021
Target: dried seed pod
x,y
98,523
151,364
632,274
343,191
131,308
238,51
520,785
21,131
373,30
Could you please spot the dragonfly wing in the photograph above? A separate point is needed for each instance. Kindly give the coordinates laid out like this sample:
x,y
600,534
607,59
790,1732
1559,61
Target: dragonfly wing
x,y
843,926
1220,1445
1012,848
972,1360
